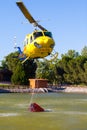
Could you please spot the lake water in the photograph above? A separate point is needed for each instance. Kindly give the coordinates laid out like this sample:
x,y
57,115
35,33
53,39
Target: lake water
x,y
66,112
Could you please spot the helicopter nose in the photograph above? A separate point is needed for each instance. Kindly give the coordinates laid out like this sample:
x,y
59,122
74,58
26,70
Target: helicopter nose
x,y
46,40
49,42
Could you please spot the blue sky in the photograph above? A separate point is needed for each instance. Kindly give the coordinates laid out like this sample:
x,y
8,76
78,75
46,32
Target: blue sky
x,y
66,19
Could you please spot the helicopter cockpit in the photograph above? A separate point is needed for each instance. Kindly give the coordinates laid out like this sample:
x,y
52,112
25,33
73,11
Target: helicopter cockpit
x,y
35,35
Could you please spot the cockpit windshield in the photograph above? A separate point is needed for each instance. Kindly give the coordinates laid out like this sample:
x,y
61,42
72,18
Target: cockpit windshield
x,y
49,34
44,33
37,34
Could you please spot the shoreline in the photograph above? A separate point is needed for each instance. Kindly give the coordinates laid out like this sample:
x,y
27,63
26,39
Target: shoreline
x,y
73,89
63,89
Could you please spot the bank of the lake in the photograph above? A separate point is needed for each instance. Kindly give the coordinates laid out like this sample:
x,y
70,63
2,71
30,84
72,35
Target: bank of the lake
x,y
24,89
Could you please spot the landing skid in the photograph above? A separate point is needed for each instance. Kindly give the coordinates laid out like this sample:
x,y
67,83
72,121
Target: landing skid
x,y
25,60
52,57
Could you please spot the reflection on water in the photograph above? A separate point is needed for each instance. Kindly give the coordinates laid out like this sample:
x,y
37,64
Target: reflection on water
x,y
63,112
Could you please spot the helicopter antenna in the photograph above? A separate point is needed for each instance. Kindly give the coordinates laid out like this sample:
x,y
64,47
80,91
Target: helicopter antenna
x,y
15,43
28,15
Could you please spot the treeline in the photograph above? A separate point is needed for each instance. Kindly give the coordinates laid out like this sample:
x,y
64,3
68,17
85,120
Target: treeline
x,y
20,72
71,68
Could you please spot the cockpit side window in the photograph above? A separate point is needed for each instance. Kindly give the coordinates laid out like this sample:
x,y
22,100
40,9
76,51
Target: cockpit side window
x,y
49,34
31,39
37,34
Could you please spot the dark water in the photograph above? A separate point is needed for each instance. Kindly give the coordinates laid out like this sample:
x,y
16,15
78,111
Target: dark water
x,y
65,112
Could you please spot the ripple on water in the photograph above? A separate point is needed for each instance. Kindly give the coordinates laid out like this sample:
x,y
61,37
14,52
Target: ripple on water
x,y
8,114
73,112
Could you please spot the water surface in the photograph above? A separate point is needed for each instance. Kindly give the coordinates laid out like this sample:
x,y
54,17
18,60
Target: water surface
x,y
66,112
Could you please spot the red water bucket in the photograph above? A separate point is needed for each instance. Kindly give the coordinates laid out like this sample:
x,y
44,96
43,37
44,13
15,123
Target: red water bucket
x,y
35,108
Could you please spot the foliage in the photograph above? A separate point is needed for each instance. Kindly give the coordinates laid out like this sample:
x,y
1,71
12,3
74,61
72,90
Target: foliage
x,y
70,69
12,61
84,51
4,65
18,75
45,70
21,72
71,54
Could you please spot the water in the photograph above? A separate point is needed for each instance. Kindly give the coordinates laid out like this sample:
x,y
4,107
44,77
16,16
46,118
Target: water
x,y
67,112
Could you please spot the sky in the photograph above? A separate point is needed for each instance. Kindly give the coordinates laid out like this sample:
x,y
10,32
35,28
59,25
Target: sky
x,y
66,19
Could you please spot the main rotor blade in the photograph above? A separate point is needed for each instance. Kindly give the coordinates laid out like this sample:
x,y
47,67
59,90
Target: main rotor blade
x,y
28,15
25,11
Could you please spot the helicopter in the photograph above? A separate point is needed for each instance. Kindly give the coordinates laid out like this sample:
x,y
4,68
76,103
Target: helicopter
x,y
39,43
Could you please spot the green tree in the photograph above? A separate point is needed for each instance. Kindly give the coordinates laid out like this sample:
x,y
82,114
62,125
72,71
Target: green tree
x,y
71,54
21,72
42,69
85,74
81,61
84,51
73,69
19,76
48,70
12,61
4,65
30,67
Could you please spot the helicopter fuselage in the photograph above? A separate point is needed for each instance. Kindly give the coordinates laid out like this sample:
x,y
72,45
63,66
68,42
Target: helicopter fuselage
x,y
38,44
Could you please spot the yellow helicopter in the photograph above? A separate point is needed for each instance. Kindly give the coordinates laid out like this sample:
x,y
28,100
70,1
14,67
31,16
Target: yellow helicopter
x,y
39,43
